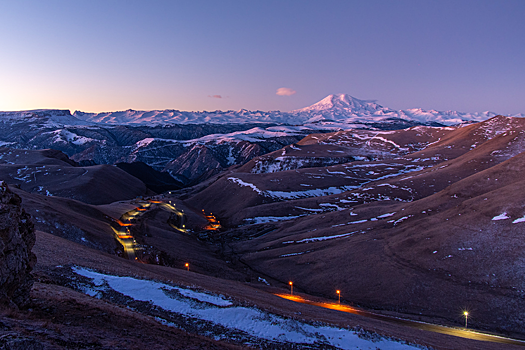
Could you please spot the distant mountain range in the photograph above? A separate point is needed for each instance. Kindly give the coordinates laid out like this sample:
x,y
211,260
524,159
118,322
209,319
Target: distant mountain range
x,y
341,110
338,108
193,146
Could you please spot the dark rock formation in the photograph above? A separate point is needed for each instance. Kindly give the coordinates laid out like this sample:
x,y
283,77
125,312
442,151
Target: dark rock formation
x,y
53,153
155,180
17,238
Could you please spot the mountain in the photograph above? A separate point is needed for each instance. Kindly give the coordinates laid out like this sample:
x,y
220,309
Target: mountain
x,y
52,173
155,180
193,146
424,220
346,111
343,103
42,118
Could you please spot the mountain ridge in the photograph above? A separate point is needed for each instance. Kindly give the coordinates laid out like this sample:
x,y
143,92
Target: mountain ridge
x,y
341,109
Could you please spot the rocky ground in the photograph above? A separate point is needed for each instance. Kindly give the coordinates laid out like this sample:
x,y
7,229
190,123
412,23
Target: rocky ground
x,y
62,317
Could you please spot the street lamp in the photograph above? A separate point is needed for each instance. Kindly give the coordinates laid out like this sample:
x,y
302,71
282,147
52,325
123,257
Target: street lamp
x,y
466,318
291,287
187,266
339,295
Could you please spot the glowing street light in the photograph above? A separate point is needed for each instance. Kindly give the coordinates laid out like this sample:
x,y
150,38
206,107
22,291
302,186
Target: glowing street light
x,y
187,266
466,318
291,287
339,295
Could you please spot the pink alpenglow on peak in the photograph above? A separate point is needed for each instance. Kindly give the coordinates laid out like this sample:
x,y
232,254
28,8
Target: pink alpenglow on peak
x,y
339,111
343,102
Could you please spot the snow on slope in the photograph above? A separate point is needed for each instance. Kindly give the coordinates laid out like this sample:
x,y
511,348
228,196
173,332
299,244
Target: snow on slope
x,y
132,117
44,117
249,321
343,102
341,109
251,135
65,136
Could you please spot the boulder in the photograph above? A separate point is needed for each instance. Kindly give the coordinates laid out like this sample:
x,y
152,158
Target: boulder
x,y
17,237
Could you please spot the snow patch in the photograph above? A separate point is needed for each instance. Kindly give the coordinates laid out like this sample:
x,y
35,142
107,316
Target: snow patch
x,y
357,222
385,215
501,217
220,311
294,254
522,219
245,184
266,219
318,239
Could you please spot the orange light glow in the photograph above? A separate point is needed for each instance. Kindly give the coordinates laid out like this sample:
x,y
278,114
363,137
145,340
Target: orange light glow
x,y
333,306
292,297
122,223
213,223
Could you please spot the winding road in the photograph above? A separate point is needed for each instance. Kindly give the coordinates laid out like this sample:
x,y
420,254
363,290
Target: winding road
x,y
121,226
457,332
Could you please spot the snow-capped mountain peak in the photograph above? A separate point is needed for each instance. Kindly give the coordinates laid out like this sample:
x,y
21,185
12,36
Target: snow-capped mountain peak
x,y
334,112
342,103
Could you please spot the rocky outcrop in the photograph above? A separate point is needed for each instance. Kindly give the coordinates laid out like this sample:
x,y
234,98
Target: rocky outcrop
x,y
264,165
17,238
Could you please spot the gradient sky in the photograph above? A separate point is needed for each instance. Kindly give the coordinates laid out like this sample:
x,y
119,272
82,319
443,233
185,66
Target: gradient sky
x,y
113,55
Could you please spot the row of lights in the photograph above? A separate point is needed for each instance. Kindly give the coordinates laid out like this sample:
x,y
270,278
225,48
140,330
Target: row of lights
x,y
338,292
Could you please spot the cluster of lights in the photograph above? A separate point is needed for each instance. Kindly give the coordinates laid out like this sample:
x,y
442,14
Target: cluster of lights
x,y
213,223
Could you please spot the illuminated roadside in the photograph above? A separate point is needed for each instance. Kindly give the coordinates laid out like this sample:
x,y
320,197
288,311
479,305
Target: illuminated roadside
x,y
457,332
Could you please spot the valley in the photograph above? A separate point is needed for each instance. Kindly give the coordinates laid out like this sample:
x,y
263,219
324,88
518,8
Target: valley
x,y
199,242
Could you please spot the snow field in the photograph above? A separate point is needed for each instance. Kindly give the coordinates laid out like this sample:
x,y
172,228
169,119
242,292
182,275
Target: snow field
x,y
318,192
220,311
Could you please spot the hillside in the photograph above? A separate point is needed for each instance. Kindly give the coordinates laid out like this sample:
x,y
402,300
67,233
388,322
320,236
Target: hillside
x,y
418,223
426,225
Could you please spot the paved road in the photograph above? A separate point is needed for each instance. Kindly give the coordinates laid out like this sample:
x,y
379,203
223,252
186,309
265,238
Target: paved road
x,y
457,332
121,229
180,213
121,226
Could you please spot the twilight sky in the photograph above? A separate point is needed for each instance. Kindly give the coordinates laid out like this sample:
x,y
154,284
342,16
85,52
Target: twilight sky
x,y
107,55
